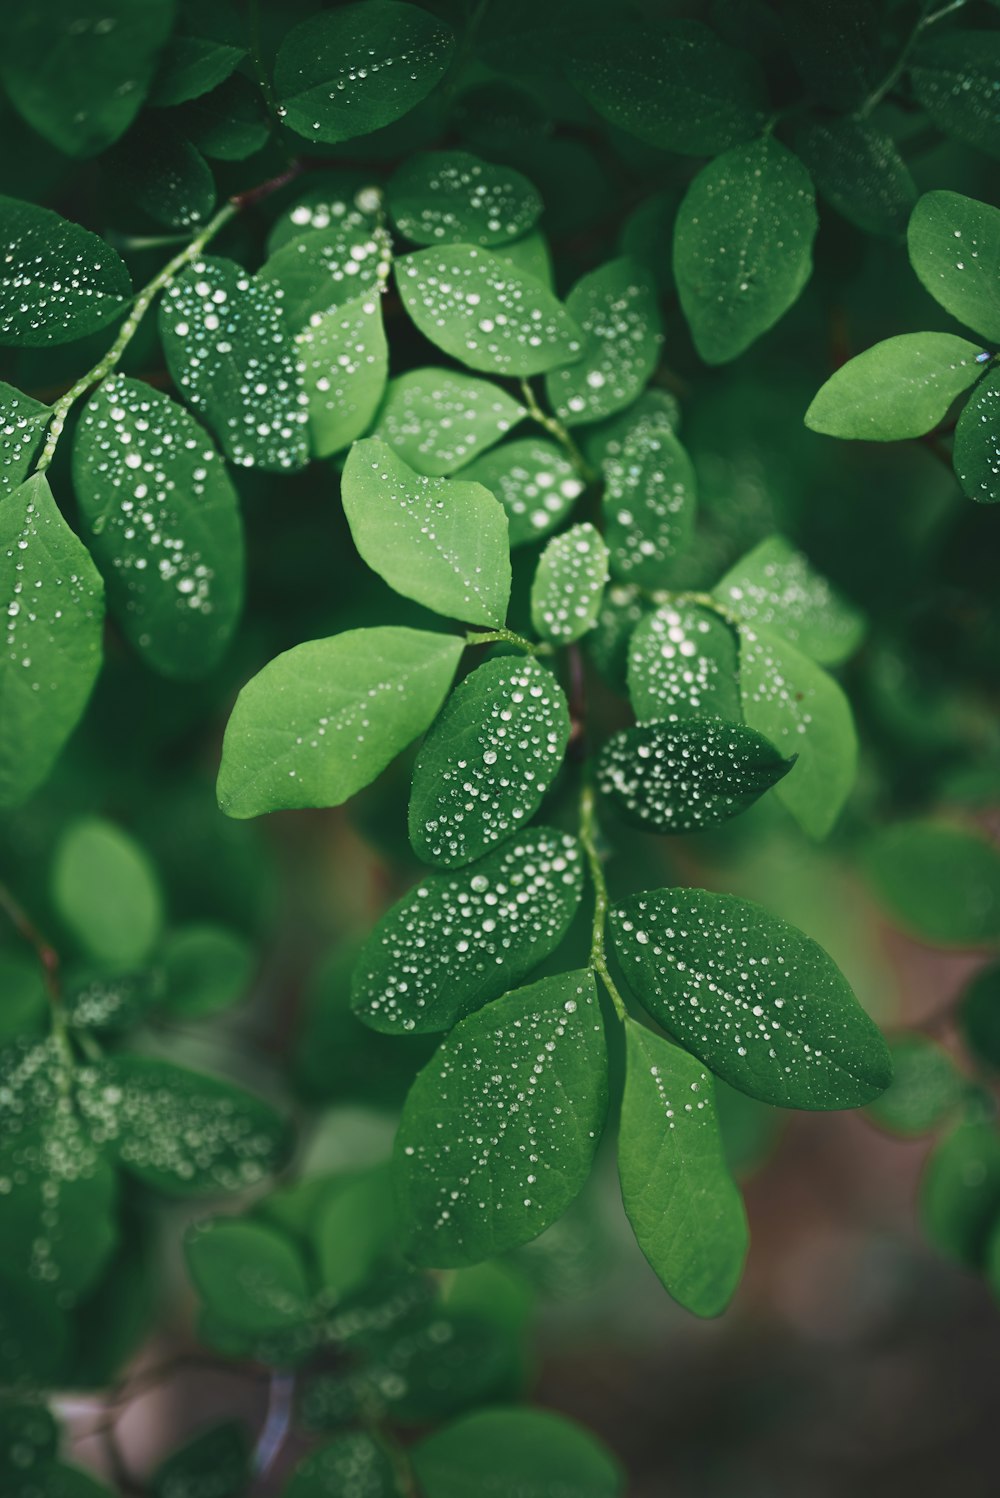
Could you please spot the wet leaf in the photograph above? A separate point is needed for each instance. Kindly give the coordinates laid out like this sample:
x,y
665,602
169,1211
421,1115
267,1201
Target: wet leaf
x,y
437,421
569,584
323,719
500,1129
755,999
249,1276
488,761
345,362
857,168
899,388
442,542
940,882
354,1463
458,940
954,77
105,891
35,1341
649,504
163,174
58,281
22,428
954,245
684,1206
534,481
191,65
617,309
515,1453
776,586
349,202
228,124
327,268
683,663
453,197
976,451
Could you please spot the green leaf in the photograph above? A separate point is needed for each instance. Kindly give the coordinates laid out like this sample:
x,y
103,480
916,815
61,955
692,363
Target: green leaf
x,y
530,254
976,451
159,171
29,1439
250,1276
25,1003
940,882
674,85
327,268
228,124
649,504
78,70
62,1481
179,1131
345,362
22,427
960,1192
743,246
617,308
350,202
500,1129
348,72
925,1088
687,776
215,1464
355,1464
534,481
569,584
684,1206
34,1343
55,616
486,313
654,411
229,353
191,65
441,542
683,663
954,245
437,420
755,999
775,586
954,77
899,388
804,712
105,890
108,1004
488,761
355,1228
207,968
515,1453
164,525
323,719
452,197
58,281
859,171
979,1016
458,940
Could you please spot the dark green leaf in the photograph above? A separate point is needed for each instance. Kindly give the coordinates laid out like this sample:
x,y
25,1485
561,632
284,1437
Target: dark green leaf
x,y
955,77
954,244
250,1276
487,763
925,1088
960,1192
215,1464
347,72
569,584
228,124
442,542
345,362
941,882
617,309
29,1439
743,246
34,1333
500,1129
24,1001
979,1016
437,420
159,171
859,171
452,197
458,940
191,65
206,968
354,1465
58,281
758,1001
649,504
534,481
322,720
684,1207
164,524
775,586
899,388
106,892
683,663
22,427
515,1453
976,453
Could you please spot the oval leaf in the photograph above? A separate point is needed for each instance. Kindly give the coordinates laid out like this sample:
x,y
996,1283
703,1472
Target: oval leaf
x,y
345,362
534,481
900,388
249,1276
941,882
683,662
58,281
617,308
437,420
774,585
506,1452
954,245
569,584
649,504
976,453
452,197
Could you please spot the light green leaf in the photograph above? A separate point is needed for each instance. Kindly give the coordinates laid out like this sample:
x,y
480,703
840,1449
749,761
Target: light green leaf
x,y
687,776
352,1465
569,584
654,411
500,1129
859,170
250,1276
326,268
960,1192
350,202
355,1227
515,1453
976,451
684,1206
58,281
926,1087
206,969
940,882
345,362
164,525
487,763
52,654
534,481
229,352
191,65
617,308
530,254
78,70
163,174
348,72
22,427
683,663
775,586
899,388
954,244
177,1130
441,542
458,940
805,713
323,719
743,246
649,504
755,999
437,420
485,313
954,77
452,197
674,85
106,891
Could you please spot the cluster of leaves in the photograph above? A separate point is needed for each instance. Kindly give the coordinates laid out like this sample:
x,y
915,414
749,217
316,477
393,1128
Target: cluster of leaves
x,y
392,181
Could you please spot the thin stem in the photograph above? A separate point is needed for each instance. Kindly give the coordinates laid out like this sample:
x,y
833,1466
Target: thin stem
x,y
701,601
896,71
598,956
506,637
554,425
48,959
